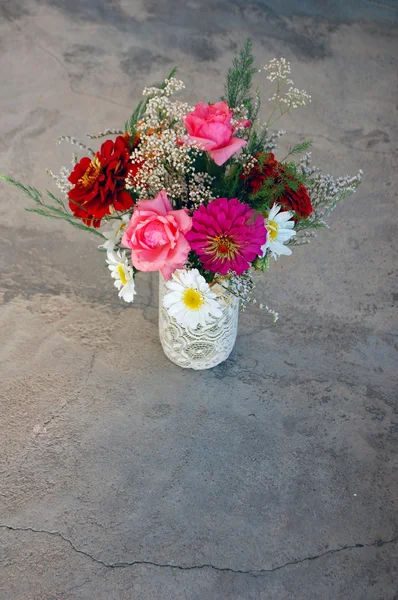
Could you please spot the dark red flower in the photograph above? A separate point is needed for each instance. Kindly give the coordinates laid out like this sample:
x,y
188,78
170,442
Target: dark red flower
x,y
297,200
99,183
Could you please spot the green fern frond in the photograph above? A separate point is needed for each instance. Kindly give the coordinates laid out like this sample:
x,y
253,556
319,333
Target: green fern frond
x,y
239,79
299,148
49,210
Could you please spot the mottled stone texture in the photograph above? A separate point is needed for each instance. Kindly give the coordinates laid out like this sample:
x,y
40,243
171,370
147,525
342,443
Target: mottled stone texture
x,y
273,476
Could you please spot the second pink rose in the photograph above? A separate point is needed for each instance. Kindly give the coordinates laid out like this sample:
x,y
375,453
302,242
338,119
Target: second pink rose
x,y
156,236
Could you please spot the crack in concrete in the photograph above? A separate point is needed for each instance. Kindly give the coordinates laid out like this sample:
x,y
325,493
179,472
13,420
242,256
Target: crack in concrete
x,y
252,572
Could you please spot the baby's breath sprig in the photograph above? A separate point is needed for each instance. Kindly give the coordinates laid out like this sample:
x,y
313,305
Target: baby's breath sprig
x,y
164,163
270,311
71,140
286,96
170,86
61,180
241,286
95,136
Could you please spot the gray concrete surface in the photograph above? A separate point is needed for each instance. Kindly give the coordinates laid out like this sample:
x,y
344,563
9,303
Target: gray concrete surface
x,y
273,476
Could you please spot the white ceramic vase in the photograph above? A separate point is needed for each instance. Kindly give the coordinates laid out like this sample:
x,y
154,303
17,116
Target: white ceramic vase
x,y
204,347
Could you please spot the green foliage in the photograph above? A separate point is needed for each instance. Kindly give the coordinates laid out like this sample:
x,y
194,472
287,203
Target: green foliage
x,y
341,195
299,148
291,172
136,117
309,224
228,184
138,114
276,184
239,79
169,76
257,140
271,191
54,211
261,264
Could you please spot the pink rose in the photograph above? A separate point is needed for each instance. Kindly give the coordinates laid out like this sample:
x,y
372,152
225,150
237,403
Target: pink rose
x,y
209,128
156,236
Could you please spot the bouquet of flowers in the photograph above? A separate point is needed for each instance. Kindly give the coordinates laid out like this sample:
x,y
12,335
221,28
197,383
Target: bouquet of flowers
x,y
197,193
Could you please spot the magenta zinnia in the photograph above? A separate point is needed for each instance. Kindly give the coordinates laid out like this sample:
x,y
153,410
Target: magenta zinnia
x,y
227,235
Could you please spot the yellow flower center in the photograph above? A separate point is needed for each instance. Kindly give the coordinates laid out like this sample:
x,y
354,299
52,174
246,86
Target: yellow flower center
x,y
192,299
122,274
272,229
224,247
94,169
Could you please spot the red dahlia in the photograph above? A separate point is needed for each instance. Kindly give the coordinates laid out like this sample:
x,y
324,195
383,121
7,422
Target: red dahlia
x,y
297,200
99,183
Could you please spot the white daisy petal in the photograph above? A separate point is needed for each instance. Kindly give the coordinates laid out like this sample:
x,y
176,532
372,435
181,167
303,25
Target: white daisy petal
x,y
122,273
284,216
274,211
190,300
289,225
280,249
114,235
285,234
172,298
280,229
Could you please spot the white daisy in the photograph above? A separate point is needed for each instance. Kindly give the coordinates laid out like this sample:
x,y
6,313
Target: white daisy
x,y
123,275
279,230
190,300
114,235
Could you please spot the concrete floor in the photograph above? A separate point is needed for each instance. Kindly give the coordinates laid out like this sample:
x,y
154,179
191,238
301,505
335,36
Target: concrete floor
x,y
273,476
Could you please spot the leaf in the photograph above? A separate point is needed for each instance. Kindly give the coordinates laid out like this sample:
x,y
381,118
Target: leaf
x,y
239,79
135,117
309,224
299,148
48,210
69,218
169,76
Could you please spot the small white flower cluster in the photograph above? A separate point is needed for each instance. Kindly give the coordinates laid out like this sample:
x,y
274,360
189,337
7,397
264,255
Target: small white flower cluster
x,y
248,161
163,165
278,69
200,190
270,311
61,180
164,161
170,86
303,238
326,191
160,112
241,286
95,136
270,144
239,113
71,140
295,97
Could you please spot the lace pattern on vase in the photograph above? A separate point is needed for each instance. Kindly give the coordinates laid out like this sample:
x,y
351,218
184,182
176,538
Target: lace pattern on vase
x,y
204,347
